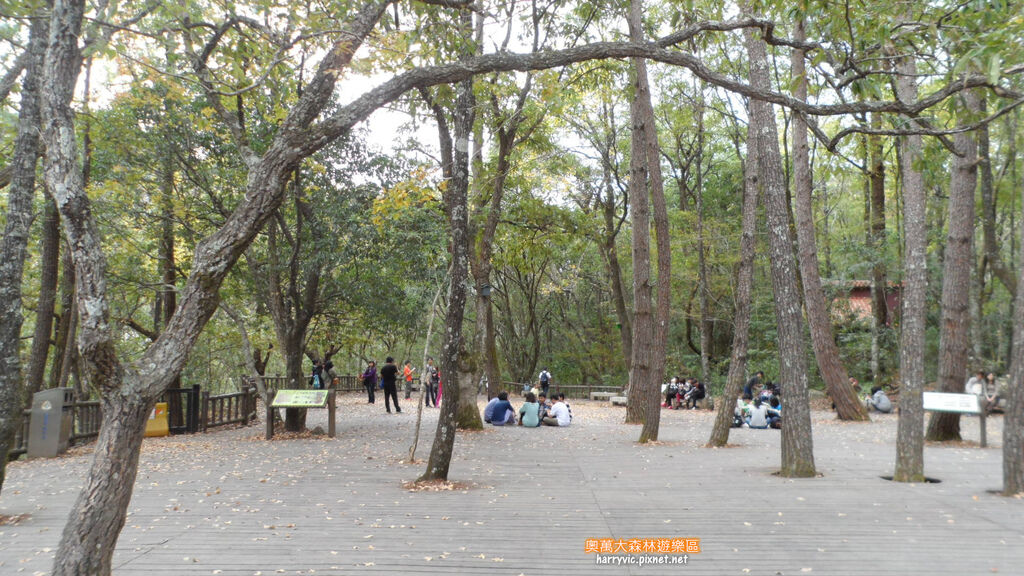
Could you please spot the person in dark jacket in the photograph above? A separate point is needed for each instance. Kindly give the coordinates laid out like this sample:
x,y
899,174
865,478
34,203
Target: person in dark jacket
x,y
389,382
369,379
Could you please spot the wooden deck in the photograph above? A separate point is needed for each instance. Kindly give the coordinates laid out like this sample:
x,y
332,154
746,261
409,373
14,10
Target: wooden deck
x,y
231,503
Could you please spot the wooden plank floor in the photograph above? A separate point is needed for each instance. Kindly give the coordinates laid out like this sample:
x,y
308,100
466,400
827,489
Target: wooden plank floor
x,y
230,503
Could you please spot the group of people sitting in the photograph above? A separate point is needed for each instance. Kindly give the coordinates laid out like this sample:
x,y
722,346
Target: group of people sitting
x,y
683,393
535,411
764,411
985,387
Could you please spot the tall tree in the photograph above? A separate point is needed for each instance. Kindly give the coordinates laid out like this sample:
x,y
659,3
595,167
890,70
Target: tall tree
x,y
650,329
848,406
992,254
49,265
706,326
128,388
456,209
1013,423
741,317
876,244
909,436
15,239
797,445
957,265
611,202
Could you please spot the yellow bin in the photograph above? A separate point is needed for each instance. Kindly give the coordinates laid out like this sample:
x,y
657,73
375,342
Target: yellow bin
x,y
157,423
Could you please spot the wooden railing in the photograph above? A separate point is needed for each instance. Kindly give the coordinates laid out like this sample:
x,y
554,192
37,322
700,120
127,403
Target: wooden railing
x,y
87,421
85,426
346,383
570,390
224,409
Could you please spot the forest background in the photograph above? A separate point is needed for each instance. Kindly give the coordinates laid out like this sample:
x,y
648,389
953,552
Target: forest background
x,y
218,158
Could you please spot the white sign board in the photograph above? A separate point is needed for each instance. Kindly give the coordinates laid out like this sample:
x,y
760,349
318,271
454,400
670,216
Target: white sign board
x,y
946,402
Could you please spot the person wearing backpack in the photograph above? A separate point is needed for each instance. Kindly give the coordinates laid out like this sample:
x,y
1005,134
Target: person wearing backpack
x,y
545,380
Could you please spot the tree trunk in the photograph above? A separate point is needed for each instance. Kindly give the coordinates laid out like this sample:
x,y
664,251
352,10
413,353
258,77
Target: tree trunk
x,y
168,294
292,347
1013,421
610,252
988,201
455,199
797,446
64,340
741,317
909,436
876,245
956,275
848,406
250,357
468,415
645,177
702,265
49,264
90,536
424,377
86,550
13,246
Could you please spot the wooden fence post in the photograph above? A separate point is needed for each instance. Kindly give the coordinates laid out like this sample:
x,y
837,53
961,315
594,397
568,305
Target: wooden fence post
x,y
331,406
270,414
204,411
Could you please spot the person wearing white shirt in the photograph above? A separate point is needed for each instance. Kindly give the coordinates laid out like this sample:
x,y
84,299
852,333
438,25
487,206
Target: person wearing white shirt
x,y
559,415
976,385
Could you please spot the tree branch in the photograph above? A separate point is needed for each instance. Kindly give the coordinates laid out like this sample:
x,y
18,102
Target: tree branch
x,y
322,134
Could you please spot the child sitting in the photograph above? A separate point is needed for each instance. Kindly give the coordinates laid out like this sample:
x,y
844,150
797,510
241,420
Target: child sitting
x,y
759,414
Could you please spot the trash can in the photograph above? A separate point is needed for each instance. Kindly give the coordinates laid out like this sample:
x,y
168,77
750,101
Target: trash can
x,y
50,422
157,423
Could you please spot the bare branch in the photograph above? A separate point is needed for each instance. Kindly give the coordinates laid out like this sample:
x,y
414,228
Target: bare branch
x,y
11,77
362,107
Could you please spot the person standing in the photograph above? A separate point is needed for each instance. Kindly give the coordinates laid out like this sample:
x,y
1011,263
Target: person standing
x,y
369,379
429,379
545,380
755,382
407,373
388,381
317,378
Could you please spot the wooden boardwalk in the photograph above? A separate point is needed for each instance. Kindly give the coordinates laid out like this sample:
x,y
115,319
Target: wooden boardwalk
x,y
230,503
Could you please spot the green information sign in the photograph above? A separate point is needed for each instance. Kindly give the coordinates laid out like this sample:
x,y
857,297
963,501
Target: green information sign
x,y
300,399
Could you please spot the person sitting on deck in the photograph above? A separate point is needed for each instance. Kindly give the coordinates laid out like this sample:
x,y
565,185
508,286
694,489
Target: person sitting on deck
x,y
759,414
542,399
697,392
503,412
489,409
879,401
742,411
670,390
561,398
559,415
775,419
529,413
